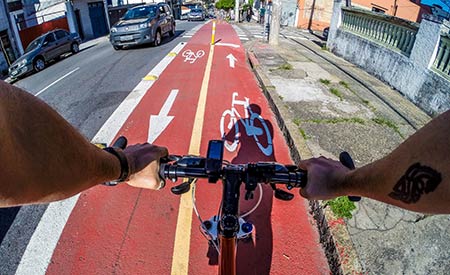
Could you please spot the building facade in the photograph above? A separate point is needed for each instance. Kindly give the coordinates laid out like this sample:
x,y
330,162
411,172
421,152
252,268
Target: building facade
x,y
8,48
316,14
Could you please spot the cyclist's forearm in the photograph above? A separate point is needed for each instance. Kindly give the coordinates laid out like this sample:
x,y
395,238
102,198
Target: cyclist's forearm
x,y
43,157
415,176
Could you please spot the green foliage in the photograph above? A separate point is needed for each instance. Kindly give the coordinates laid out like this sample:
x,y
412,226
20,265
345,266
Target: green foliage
x,y
303,133
337,93
325,81
340,120
387,123
342,207
345,84
285,66
225,4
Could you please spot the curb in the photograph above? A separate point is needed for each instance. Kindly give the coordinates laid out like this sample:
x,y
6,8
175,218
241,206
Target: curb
x,y
334,237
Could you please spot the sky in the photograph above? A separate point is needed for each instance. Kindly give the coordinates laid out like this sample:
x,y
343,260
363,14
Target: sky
x,y
438,2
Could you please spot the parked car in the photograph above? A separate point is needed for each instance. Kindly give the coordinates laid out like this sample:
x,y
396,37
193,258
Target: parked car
x,y
196,14
143,24
41,50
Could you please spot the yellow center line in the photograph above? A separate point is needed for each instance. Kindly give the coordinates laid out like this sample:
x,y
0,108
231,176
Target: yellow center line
x,y
180,258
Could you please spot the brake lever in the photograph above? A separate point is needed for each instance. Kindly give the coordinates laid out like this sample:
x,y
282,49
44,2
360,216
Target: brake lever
x,y
347,161
121,142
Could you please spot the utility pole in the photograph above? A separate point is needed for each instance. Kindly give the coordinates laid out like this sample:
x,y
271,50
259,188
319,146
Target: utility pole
x,y
236,11
275,22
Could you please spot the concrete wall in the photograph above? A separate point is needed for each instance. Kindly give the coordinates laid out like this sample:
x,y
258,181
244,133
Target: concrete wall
x,y
314,14
412,76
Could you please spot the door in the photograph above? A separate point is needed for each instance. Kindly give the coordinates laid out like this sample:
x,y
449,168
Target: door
x,y
162,19
98,19
50,47
63,39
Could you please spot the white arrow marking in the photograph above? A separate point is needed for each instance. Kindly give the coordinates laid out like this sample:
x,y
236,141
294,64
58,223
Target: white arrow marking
x,y
232,59
160,122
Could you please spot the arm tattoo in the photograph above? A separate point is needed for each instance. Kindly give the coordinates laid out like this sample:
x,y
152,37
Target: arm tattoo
x,y
417,180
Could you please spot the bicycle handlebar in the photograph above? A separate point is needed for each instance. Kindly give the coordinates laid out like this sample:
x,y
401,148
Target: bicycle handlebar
x,y
251,173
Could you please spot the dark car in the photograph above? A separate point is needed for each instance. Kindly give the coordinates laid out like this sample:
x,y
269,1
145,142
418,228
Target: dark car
x,y
41,50
196,14
143,24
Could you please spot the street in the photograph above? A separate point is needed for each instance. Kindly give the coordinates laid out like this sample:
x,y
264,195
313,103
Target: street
x,y
179,95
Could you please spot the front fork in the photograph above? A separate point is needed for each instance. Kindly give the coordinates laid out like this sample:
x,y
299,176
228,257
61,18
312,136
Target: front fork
x,y
224,230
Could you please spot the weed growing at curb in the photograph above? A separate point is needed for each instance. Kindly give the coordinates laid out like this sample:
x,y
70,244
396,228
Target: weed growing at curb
x,y
297,122
342,207
324,47
303,133
325,81
337,93
385,122
286,67
340,120
281,97
345,84
364,101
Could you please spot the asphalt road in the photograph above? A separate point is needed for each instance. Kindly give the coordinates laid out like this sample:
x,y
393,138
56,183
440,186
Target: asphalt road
x,y
85,89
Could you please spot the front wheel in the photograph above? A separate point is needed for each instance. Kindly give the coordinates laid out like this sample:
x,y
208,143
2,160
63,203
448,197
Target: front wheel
x,y
39,64
157,40
117,48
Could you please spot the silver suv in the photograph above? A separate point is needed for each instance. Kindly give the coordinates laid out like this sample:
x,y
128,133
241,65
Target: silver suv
x,y
41,50
143,24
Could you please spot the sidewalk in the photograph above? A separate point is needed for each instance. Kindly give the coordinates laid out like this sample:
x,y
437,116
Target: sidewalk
x,y
326,105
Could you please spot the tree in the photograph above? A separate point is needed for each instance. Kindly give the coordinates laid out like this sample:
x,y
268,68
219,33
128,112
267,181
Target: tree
x,y
225,4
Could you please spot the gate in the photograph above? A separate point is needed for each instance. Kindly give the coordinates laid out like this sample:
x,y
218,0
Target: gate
x,y
98,20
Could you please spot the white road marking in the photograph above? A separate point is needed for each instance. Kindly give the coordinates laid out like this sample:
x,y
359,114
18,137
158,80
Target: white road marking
x,y
227,45
160,122
39,251
56,81
232,59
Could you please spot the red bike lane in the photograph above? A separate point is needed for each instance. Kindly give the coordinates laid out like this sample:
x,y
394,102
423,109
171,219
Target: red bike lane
x,y
125,230
285,242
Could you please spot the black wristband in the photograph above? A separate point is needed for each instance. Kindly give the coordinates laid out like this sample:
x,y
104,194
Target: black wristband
x,y
124,166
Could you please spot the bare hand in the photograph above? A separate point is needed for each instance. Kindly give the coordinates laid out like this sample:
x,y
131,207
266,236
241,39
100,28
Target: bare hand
x,y
144,165
325,178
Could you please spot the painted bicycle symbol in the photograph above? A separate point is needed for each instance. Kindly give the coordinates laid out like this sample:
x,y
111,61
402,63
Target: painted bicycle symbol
x,y
230,119
192,56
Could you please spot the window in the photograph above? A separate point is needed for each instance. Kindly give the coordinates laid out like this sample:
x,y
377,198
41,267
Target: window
x,y
49,38
378,10
60,34
167,9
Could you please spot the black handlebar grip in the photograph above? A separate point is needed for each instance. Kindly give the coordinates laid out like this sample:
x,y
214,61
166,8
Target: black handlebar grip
x,y
347,161
121,142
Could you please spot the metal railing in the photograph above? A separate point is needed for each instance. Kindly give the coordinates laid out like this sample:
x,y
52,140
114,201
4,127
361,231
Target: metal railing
x,y
389,31
442,61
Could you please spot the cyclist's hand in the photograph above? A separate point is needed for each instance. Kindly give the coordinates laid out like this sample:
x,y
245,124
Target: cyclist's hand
x,y
144,165
325,178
